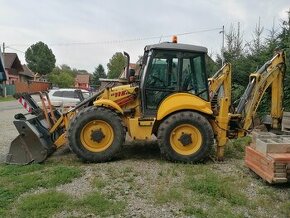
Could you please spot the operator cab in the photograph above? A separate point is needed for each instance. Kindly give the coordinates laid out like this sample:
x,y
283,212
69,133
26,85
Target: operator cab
x,y
169,68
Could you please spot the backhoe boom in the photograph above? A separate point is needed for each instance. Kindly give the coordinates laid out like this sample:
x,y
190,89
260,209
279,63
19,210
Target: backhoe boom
x,y
270,74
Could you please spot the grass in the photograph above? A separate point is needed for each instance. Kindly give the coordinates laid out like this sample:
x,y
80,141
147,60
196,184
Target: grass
x,y
41,205
236,148
8,98
16,180
211,212
52,202
99,183
215,186
202,192
211,189
164,195
223,189
98,204
286,209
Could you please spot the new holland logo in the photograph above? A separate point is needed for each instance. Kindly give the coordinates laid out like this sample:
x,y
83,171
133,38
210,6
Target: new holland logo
x,y
119,94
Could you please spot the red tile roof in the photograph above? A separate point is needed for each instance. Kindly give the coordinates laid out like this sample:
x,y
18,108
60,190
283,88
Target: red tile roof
x,y
11,60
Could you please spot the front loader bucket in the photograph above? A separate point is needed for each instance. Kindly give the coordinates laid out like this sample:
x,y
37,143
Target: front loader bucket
x,y
30,146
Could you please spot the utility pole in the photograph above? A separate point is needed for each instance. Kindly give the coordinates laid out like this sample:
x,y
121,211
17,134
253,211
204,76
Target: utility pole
x,y
4,82
223,45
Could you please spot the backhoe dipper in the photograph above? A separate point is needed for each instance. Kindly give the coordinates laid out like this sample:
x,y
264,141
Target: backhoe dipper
x,y
172,99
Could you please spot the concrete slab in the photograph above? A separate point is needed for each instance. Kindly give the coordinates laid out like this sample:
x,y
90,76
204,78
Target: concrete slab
x,y
286,122
277,144
258,134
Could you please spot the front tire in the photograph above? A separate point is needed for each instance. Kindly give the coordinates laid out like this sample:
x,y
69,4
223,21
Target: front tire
x,y
96,134
185,137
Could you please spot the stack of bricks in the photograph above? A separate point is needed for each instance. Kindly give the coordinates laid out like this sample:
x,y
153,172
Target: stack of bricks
x,y
269,157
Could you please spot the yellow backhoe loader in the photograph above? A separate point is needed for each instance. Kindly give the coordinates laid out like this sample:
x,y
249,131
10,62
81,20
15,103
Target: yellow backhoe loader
x,y
172,99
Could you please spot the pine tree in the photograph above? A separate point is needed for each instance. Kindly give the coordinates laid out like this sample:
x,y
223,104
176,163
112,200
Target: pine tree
x,y
98,73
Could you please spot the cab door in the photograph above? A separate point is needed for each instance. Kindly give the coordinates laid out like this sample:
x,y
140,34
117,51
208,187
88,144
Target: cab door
x,y
161,79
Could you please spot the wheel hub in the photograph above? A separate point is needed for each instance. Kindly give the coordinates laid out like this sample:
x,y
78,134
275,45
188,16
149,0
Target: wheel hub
x,y
97,135
185,139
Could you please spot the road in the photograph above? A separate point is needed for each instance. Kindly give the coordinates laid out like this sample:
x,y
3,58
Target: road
x,y
7,130
9,105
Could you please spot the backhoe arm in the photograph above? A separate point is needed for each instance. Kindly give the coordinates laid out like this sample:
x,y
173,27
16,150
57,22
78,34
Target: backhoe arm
x,y
222,78
270,74
220,96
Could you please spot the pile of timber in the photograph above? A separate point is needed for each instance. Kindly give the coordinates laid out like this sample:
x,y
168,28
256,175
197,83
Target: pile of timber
x,y
269,156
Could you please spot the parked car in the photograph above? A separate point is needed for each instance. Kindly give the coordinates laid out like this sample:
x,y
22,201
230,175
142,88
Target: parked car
x,y
63,99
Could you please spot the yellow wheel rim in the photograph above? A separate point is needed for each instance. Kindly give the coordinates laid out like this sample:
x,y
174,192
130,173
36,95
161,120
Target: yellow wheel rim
x,y
97,136
192,137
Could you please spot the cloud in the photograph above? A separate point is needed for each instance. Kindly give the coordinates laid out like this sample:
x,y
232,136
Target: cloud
x,y
83,34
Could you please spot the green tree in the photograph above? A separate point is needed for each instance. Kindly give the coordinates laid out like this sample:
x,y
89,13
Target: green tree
x,y
62,76
116,65
40,58
234,53
98,73
211,66
234,44
284,39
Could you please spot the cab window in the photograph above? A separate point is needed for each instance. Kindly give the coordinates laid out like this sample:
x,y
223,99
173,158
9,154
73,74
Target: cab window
x,y
162,78
193,77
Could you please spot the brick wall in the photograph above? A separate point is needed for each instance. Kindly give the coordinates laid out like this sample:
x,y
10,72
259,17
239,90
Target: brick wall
x,y
32,86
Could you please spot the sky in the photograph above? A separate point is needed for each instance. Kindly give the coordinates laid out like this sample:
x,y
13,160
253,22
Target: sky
x,y
86,33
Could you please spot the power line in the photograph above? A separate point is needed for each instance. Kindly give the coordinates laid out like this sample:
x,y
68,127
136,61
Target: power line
x,y
9,47
135,39
125,40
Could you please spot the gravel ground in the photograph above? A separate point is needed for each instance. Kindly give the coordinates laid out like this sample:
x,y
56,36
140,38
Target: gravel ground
x,y
7,130
134,176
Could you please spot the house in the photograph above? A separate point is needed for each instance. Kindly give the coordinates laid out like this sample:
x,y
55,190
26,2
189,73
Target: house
x,y
82,81
12,67
26,74
122,80
135,67
41,78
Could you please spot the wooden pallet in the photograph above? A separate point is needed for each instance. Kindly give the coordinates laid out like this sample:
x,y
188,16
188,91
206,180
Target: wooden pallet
x,y
272,167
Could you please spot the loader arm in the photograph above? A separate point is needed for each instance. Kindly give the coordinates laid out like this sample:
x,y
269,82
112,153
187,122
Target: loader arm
x,y
220,97
222,78
270,74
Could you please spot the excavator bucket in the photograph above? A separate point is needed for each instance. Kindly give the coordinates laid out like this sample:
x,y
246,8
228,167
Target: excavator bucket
x,y
30,146
34,142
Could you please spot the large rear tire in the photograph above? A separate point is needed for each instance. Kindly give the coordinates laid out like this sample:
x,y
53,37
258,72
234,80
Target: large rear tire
x,y
96,134
185,137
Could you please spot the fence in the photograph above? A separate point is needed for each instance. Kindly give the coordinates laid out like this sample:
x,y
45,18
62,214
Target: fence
x,y
32,86
10,90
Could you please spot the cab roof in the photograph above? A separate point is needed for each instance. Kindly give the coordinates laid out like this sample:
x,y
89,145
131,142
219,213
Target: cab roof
x,y
176,47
